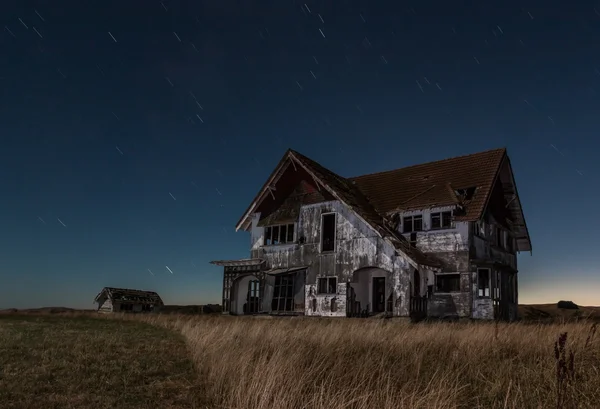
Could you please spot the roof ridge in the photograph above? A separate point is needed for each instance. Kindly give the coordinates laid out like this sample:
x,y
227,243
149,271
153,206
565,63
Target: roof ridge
x,y
352,178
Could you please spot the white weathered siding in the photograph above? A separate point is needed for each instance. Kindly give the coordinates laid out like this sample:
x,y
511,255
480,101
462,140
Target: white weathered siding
x,y
357,246
105,306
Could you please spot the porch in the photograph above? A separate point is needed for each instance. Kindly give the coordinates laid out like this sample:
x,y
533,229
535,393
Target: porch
x,y
250,288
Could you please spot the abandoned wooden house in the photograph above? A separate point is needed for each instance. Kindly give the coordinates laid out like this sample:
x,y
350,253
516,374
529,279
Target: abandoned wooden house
x,y
438,239
123,300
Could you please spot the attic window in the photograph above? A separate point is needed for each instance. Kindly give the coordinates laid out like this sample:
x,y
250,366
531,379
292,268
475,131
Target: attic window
x,y
466,193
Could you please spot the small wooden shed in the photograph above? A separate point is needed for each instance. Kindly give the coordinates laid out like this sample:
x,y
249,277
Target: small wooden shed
x,y
112,299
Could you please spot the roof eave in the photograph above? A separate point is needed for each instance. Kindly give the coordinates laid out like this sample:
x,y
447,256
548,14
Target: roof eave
x,y
273,177
518,201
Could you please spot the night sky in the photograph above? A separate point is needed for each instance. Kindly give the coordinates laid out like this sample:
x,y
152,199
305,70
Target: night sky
x,y
135,133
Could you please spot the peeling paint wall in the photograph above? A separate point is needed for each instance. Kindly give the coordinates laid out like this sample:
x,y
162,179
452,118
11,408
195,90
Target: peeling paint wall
x,y
451,246
357,246
239,293
325,305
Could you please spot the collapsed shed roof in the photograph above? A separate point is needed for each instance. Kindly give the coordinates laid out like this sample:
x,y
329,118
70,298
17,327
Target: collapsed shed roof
x,y
124,295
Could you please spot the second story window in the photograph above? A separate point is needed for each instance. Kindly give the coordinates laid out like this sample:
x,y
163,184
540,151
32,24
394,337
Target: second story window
x,y
328,232
279,234
412,223
441,220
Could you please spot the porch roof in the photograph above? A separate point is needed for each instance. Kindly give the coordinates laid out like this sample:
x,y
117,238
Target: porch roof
x,y
279,271
238,263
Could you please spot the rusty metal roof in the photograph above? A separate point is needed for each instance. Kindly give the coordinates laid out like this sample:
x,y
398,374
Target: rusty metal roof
x,y
130,296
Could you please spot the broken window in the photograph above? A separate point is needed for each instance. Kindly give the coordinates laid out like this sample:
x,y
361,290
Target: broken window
x,y
328,232
147,307
441,220
499,237
126,307
327,285
413,223
480,228
283,293
465,194
279,234
413,239
447,283
483,282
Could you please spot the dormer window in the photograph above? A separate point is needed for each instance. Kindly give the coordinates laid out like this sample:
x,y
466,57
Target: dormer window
x,y
279,234
441,220
412,223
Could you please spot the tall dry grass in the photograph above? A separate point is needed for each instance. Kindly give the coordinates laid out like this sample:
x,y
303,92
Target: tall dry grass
x,y
247,363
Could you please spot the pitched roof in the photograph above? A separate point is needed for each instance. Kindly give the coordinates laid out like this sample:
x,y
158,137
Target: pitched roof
x,y
376,196
353,197
434,184
131,296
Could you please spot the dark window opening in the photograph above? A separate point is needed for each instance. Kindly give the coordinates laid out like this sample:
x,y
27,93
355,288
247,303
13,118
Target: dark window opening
x,y
283,294
510,244
413,223
279,234
413,239
327,285
126,307
147,307
253,299
328,232
441,220
483,282
447,283
499,236
497,285
465,194
480,228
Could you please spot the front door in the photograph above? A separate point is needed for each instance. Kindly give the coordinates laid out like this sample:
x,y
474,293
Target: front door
x,y
378,294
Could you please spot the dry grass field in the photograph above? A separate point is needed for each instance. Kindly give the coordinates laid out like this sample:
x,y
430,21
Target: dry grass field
x,y
72,361
260,363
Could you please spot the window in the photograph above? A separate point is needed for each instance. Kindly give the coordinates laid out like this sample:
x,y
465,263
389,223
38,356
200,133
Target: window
x,y
510,244
497,284
441,220
447,283
147,307
279,234
283,293
126,307
253,299
480,228
328,232
483,282
327,285
413,223
499,237
413,239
